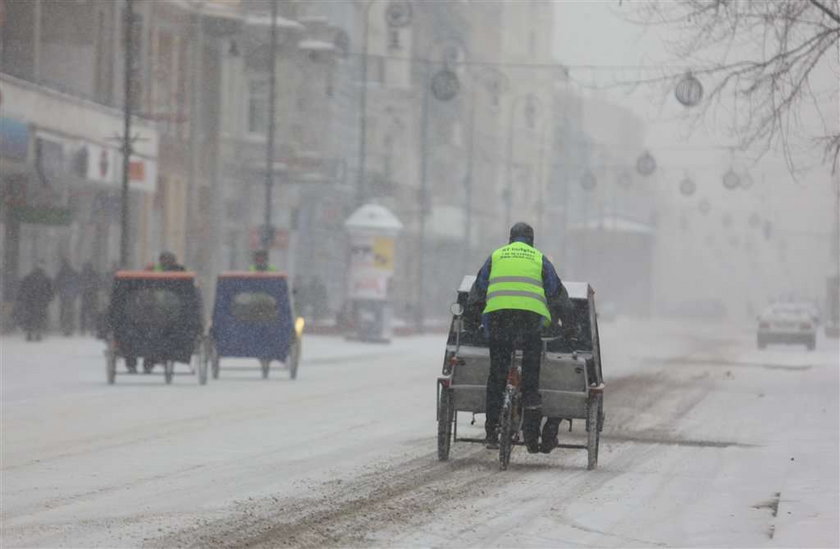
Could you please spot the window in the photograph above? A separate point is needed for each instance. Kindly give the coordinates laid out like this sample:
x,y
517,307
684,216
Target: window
x,y
254,307
153,306
258,106
394,39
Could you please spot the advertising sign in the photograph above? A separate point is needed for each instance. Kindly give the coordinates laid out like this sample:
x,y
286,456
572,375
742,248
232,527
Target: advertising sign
x,y
100,163
14,139
371,266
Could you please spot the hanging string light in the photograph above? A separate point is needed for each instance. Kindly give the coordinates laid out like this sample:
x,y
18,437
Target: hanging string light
x,y
687,186
646,164
689,90
588,181
730,179
624,180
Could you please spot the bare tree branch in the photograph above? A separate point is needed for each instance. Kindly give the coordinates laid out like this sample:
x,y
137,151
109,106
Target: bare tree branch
x,y
760,54
826,11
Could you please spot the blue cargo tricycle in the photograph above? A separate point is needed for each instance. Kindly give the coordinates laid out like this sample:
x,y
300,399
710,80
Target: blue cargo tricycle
x,y
253,317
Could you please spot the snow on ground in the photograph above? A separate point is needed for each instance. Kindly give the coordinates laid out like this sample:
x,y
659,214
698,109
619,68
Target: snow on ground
x,y
707,442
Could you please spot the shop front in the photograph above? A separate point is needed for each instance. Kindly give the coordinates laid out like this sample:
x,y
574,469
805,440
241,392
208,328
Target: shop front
x,y
60,182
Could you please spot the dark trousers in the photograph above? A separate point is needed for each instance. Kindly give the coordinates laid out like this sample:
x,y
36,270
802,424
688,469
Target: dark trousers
x,y
67,314
507,328
89,312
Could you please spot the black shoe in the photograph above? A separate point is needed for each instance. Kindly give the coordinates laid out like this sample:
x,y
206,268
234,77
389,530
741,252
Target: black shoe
x,y
532,443
491,441
549,436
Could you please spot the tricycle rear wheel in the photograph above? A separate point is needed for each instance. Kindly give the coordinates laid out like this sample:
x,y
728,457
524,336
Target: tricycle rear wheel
x,y
445,411
594,423
111,366
294,358
201,357
507,428
214,362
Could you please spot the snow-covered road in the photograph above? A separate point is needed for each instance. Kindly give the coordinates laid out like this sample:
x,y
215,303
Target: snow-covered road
x,y
707,442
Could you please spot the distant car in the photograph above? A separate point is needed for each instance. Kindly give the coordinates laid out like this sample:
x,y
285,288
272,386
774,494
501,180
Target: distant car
x,y
787,323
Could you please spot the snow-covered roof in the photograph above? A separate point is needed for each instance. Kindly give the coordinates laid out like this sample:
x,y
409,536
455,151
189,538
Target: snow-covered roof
x,y
577,290
316,45
232,10
466,283
373,217
264,20
612,223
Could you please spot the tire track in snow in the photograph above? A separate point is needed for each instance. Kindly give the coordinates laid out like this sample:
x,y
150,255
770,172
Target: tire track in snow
x,y
396,497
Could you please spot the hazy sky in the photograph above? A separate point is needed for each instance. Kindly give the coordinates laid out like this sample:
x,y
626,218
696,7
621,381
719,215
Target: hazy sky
x,y
596,34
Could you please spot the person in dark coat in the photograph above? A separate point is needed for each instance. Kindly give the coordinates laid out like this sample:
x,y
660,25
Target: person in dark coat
x,y
515,297
89,283
67,286
34,295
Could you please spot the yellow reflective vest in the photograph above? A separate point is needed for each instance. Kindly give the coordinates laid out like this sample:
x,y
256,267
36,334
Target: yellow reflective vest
x,y
516,280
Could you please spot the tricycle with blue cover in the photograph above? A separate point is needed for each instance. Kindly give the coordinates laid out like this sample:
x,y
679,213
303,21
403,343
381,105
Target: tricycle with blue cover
x,y
253,318
156,317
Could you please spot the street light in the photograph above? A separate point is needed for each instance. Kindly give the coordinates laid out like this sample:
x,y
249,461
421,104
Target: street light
x,y
267,236
398,14
126,145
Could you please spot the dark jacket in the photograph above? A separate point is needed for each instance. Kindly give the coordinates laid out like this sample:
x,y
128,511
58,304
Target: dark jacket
x,y
67,282
34,295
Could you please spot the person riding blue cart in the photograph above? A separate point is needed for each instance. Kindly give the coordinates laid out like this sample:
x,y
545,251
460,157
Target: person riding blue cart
x,y
253,318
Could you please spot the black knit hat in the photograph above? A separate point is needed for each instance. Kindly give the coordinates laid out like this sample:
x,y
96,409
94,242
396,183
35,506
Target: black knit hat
x,y
522,231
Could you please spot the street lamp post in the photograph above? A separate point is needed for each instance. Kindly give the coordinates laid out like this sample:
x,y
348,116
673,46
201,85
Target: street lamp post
x,y
267,233
126,144
361,182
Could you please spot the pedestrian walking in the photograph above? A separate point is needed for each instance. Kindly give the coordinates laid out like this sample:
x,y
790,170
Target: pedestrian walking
x,y
34,295
67,286
89,283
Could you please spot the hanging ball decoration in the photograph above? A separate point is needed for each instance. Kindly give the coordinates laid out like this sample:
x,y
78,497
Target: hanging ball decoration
x,y
746,180
689,90
625,180
731,180
445,85
688,187
588,181
398,14
646,164
704,206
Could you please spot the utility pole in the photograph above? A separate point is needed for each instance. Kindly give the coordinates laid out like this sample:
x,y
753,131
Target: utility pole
x,y
268,232
424,199
361,184
126,145
468,187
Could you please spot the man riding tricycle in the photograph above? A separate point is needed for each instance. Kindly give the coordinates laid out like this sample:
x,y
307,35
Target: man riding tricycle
x,y
506,323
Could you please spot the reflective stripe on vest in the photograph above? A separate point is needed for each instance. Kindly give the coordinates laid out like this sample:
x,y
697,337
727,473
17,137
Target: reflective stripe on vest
x,y
516,280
